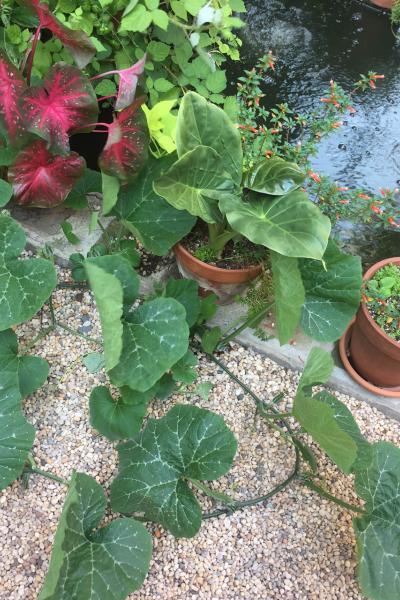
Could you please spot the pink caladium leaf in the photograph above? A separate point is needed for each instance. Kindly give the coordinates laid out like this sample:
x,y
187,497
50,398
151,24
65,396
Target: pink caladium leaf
x,y
126,150
12,85
128,79
40,178
65,104
77,42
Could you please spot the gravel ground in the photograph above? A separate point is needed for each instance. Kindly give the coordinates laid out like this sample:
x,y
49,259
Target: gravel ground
x,y
297,546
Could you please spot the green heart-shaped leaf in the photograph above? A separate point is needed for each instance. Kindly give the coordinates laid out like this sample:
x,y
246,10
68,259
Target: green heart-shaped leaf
x,y
19,377
201,123
378,532
25,285
289,294
156,223
188,443
88,563
333,293
274,176
291,225
186,291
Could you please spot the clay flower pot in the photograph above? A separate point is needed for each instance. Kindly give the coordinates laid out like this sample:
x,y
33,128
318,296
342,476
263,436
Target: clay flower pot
x,y
383,3
369,355
225,283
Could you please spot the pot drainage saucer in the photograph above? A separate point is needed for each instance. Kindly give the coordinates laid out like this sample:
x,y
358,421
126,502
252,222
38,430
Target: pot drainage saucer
x,y
344,355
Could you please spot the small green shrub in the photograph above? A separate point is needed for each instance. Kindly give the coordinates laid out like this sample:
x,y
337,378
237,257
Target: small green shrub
x,y
383,299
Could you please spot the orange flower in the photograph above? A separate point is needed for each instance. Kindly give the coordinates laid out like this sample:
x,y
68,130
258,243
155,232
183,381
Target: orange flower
x,y
314,176
376,209
337,124
344,201
364,196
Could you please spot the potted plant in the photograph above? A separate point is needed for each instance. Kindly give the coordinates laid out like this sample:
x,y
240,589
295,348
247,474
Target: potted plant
x,y
370,349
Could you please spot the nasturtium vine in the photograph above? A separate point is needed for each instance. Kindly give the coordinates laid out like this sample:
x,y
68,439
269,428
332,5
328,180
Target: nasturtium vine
x,y
156,466
25,284
20,376
87,562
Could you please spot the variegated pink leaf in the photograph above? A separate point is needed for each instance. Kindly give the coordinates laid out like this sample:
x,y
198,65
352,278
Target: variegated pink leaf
x,y
66,104
128,79
77,42
42,179
12,85
126,151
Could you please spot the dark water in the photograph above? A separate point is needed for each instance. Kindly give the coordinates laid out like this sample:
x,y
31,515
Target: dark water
x,y
319,40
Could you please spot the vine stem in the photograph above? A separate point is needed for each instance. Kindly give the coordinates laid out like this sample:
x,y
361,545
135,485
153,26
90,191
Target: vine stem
x,y
47,474
254,320
316,488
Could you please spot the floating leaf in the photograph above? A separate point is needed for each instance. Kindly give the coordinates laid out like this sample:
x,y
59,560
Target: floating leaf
x,y
120,418
156,223
12,86
19,377
188,443
77,42
289,294
274,176
126,150
201,123
42,179
328,420
64,105
378,531
333,293
25,285
89,563
291,225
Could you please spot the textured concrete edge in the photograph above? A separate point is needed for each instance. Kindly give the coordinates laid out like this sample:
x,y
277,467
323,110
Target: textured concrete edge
x,y
294,357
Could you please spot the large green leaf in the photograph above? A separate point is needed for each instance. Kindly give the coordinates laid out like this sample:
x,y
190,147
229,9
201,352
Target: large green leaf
x,y
120,418
93,564
333,293
120,267
328,420
188,443
25,285
186,291
289,294
19,377
156,223
274,176
196,182
201,123
291,225
378,532
155,337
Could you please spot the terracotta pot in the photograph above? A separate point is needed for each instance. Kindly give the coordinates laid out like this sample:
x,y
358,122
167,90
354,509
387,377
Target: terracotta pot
x,y
374,355
383,3
225,283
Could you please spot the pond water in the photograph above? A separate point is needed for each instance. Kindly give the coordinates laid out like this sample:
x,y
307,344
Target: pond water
x,y
319,40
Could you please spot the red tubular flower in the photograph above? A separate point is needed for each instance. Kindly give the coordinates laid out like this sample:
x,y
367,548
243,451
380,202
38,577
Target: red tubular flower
x,y
364,197
314,176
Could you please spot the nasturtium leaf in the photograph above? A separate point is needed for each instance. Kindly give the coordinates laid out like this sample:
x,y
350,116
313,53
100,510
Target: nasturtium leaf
x,y
155,337
89,563
94,362
211,338
120,267
89,182
25,285
326,419
378,531
183,370
12,86
201,123
187,443
274,176
195,183
64,105
156,223
19,377
6,192
40,178
291,225
186,291
77,42
333,293
126,150
120,418
289,295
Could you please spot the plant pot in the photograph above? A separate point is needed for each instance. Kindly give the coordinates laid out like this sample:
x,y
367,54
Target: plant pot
x,y
225,283
383,3
373,354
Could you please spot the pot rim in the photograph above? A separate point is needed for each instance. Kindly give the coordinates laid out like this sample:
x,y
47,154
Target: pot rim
x,y
368,275
180,249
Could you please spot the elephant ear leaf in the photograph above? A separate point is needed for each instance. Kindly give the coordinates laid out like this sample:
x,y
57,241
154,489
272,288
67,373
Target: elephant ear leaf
x,y
86,562
19,377
378,530
326,419
274,176
188,443
25,285
333,293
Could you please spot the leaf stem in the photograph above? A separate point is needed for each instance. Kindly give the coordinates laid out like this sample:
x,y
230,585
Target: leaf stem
x,y
331,497
32,54
96,341
250,322
48,474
